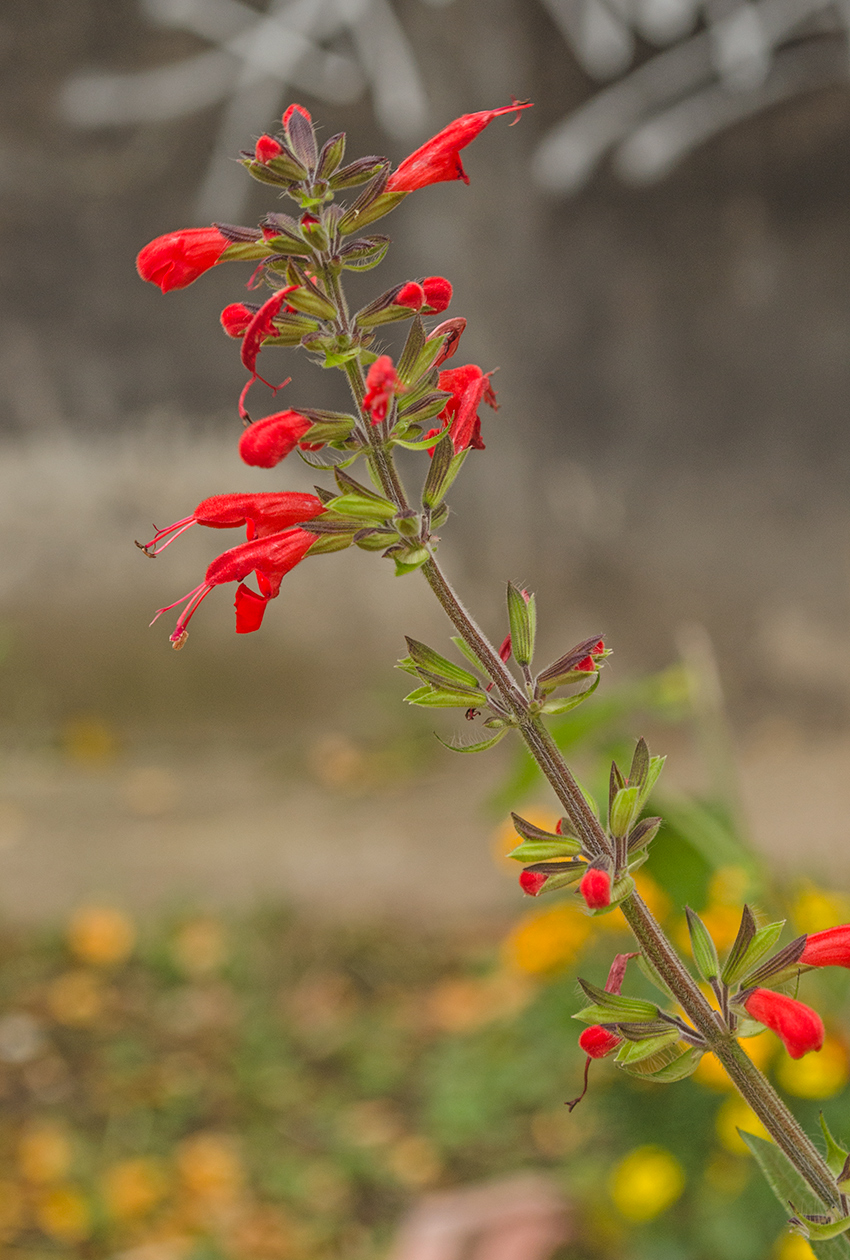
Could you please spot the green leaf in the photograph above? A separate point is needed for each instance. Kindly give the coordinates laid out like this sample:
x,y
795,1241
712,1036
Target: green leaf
x,y
788,1186
685,1065
702,946
528,831
474,748
653,770
639,768
623,810
633,1010
761,944
467,651
564,703
835,1156
820,1230
445,670
746,932
364,509
441,475
523,622
631,1052
438,698
543,850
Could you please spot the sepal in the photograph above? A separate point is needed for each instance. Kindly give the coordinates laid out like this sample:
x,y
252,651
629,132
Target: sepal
x,y
448,674
364,254
702,946
523,622
613,1007
444,468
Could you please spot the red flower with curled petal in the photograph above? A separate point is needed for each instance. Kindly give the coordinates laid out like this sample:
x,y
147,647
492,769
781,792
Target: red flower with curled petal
x,y
799,1027
262,514
597,1041
268,558
269,440
382,384
439,158
830,948
176,259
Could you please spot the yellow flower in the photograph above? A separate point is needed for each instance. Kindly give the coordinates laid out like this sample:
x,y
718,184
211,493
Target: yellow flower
x,y
646,1182
547,940
814,909
722,922
792,1247
712,1073
465,1003
200,947
101,935
821,1075
209,1167
729,886
64,1214
76,998
654,896
132,1188
733,1115
44,1154
11,1209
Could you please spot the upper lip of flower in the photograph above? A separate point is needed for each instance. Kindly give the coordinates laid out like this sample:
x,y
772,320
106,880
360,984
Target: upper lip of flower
x,y
438,159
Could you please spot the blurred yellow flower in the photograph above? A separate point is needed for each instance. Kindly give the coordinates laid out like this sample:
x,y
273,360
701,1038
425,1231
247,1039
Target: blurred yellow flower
x,y
814,909
506,837
44,1153
792,1247
209,1166
722,921
12,1212
63,1214
821,1075
101,935
200,946
653,894
710,1071
646,1182
465,1003
132,1188
264,1234
89,740
734,1114
414,1161
729,886
76,998
546,940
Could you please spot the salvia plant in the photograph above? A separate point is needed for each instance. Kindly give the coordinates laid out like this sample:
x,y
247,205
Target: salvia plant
x,y
417,403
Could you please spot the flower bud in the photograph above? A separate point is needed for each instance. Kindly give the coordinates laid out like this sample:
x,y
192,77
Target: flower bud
x,y
236,317
269,440
176,259
597,1041
438,293
830,948
411,295
595,887
266,149
799,1027
531,882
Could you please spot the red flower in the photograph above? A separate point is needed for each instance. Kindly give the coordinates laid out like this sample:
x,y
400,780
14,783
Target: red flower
x,y
236,317
268,558
269,440
382,385
595,887
597,1041
261,326
410,294
450,331
266,149
262,514
438,293
830,948
799,1027
469,387
439,158
173,261
531,882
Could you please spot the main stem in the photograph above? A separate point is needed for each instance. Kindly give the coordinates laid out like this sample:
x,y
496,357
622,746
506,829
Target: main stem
x,y
750,1082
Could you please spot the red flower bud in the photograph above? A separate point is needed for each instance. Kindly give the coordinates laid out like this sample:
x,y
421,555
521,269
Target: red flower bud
x,y
173,261
599,649
797,1025
381,386
439,158
587,665
236,317
291,109
830,948
595,887
597,1041
531,882
438,293
269,440
410,294
266,149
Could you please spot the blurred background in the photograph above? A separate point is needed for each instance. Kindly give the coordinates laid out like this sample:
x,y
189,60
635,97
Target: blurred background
x,y
657,260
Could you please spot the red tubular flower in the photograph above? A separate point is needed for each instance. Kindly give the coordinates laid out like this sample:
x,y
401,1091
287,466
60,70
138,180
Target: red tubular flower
x,y
177,259
410,294
450,331
797,1025
595,887
382,385
262,514
266,149
236,317
827,949
469,387
261,326
439,158
438,294
268,558
269,440
597,1041
531,882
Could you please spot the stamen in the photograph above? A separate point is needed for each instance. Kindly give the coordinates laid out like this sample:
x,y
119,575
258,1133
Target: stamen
x,y
151,549
575,1101
181,600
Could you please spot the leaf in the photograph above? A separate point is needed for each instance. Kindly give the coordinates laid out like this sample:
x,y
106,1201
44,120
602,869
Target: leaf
x,y
656,765
543,850
426,658
634,1010
635,1051
835,1156
702,946
788,1186
763,941
746,932
623,810
474,748
523,619
438,698
685,1065
563,704
640,764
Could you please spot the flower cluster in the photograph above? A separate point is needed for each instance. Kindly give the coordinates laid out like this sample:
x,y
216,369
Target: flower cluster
x,y
301,259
